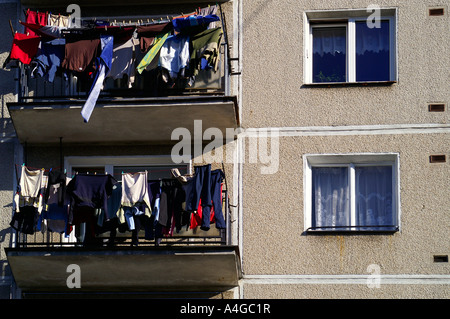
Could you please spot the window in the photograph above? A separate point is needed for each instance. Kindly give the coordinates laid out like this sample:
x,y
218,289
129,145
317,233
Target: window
x,y
158,167
356,192
349,46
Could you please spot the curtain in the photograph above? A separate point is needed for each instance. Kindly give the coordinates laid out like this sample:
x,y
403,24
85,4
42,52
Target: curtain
x,y
330,187
372,39
329,54
374,195
372,52
329,40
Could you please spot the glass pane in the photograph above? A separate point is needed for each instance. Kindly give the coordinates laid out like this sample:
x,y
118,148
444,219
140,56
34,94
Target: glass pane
x,y
329,54
154,172
374,196
372,52
330,202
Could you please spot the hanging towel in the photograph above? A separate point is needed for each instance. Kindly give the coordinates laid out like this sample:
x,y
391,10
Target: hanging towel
x,y
123,60
205,50
45,31
174,55
198,22
135,191
80,54
49,58
58,20
24,47
35,17
148,58
104,63
87,193
148,33
209,10
32,185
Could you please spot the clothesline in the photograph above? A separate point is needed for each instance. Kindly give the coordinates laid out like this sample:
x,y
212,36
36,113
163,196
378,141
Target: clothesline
x,y
136,20
114,174
179,48
103,205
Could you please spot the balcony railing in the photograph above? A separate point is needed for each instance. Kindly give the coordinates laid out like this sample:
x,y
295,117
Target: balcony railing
x,y
126,238
147,84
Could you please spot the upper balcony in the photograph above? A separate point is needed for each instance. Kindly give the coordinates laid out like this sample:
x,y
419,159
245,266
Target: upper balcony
x,y
153,99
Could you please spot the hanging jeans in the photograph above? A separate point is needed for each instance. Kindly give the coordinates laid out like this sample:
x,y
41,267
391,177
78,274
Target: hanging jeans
x,y
216,193
199,186
216,202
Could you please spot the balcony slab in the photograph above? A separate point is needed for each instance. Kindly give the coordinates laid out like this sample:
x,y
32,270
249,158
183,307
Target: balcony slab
x,y
115,121
204,268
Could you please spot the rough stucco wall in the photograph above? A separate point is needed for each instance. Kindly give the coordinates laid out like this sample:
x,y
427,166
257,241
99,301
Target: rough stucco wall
x,y
347,291
274,242
273,51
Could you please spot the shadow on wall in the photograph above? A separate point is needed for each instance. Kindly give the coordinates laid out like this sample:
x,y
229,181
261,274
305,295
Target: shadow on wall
x,y
6,166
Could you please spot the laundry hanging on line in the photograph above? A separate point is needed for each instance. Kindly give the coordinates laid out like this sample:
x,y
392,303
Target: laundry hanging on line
x,y
55,202
179,47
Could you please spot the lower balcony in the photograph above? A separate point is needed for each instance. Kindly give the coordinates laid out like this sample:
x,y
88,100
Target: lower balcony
x,y
41,270
189,260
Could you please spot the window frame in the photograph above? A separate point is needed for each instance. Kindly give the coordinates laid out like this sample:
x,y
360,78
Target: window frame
x,y
109,162
329,18
351,161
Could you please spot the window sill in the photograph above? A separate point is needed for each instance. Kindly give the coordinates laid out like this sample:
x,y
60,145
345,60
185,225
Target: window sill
x,y
349,84
358,230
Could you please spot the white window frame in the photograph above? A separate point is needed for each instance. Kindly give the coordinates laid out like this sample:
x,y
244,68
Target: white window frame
x,y
110,161
350,161
351,16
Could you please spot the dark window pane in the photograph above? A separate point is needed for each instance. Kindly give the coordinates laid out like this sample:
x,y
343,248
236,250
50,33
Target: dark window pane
x,y
372,52
374,196
329,54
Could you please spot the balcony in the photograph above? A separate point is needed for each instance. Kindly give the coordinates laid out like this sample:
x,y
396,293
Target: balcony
x,y
47,112
190,261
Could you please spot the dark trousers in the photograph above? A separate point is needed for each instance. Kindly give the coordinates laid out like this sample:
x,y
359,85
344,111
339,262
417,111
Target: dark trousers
x,y
216,201
199,186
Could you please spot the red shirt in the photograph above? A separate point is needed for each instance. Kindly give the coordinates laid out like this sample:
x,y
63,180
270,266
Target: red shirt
x,y
24,47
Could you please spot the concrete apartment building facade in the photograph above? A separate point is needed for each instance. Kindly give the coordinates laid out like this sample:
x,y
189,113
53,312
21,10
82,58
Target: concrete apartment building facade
x,y
336,162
